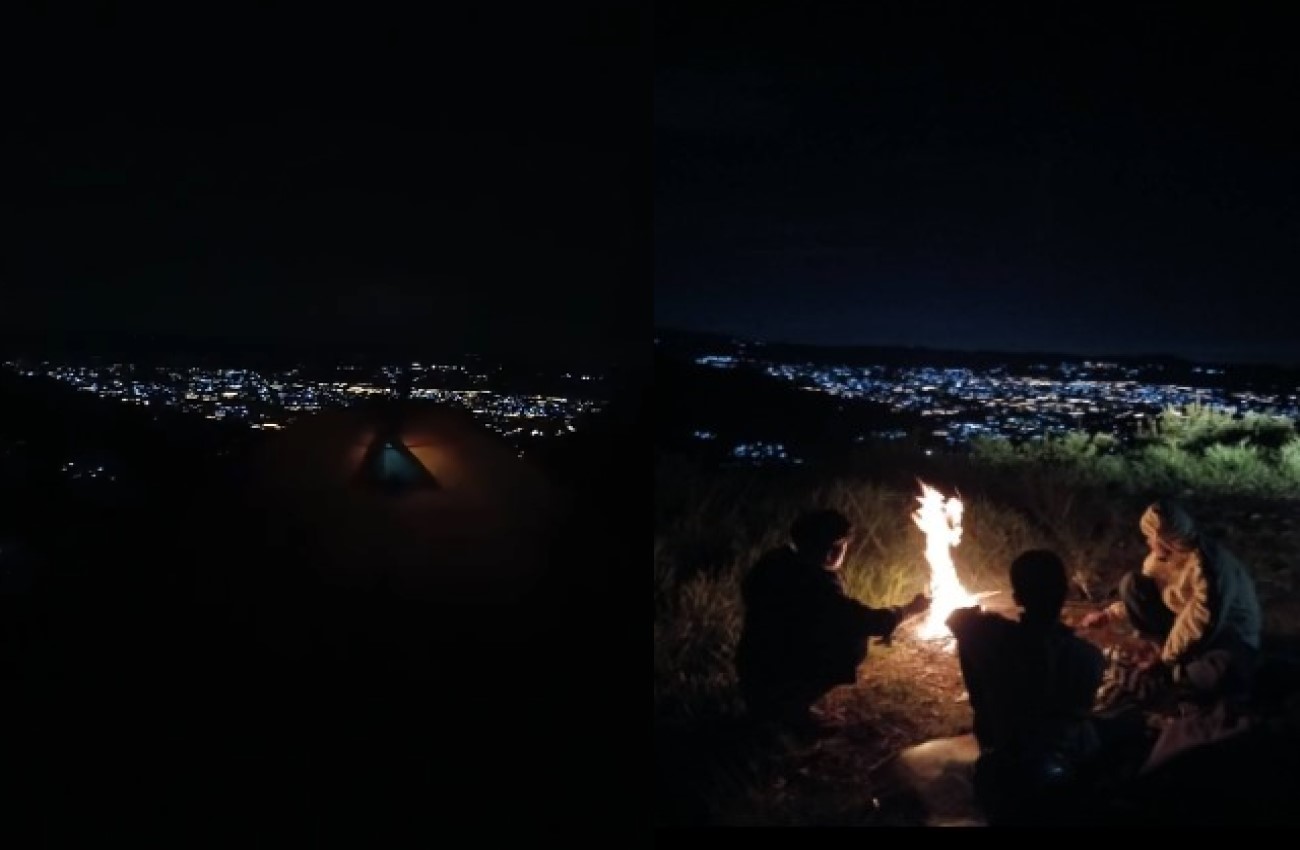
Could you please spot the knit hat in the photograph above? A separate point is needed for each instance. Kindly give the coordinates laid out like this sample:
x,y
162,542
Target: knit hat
x,y
818,529
1168,521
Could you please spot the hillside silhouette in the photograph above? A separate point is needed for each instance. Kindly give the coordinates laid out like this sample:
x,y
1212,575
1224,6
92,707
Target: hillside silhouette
x,y
743,404
177,655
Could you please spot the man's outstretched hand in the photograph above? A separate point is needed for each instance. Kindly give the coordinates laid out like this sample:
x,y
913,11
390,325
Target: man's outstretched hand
x,y
919,605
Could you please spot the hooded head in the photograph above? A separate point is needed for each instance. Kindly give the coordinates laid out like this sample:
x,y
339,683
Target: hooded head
x,y
1167,524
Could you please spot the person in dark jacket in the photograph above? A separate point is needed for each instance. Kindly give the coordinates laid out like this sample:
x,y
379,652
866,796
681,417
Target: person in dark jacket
x,y
803,634
1032,684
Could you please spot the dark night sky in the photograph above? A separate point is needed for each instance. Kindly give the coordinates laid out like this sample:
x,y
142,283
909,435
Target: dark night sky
x,y
460,178
1066,179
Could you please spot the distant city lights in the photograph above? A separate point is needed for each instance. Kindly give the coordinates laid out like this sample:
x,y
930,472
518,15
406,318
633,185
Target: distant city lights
x,y
954,406
269,401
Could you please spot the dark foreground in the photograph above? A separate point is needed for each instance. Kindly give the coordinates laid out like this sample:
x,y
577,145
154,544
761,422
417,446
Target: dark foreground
x,y
176,665
869,767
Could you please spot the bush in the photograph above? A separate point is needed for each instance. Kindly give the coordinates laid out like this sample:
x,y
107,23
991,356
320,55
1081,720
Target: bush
x,y
1197,427
1238,468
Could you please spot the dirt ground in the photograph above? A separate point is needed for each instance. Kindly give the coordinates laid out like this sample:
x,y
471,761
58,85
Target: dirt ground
x,y
908,692
911,691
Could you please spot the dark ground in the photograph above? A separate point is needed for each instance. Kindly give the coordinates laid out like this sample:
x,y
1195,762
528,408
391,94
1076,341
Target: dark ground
x,y
139,702
723,772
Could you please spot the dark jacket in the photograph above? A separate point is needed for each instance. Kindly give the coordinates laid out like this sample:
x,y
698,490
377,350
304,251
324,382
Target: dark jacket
x,y
802,634
1031,685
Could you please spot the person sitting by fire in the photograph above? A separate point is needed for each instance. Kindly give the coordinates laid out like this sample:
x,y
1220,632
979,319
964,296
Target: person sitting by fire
x,y
1195,604
803,634
1032,684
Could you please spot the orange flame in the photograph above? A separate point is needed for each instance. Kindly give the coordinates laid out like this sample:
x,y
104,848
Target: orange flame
x,y
940,519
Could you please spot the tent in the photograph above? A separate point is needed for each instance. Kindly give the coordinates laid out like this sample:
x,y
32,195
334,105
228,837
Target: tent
x,y
389,464
421,500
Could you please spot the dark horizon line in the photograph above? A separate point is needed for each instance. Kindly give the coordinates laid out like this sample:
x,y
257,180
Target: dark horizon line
x,y
1147,357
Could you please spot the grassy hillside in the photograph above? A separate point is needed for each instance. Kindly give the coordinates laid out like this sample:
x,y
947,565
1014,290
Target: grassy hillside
x,y
1080,495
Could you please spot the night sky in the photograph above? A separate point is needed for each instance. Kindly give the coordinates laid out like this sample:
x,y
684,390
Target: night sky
x,y
938,175
459,178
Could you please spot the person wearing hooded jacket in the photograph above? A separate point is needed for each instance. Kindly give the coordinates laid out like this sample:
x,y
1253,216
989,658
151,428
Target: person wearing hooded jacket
x,y
1195,603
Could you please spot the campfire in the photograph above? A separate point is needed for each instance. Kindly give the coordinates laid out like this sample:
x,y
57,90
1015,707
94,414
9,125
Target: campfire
x,y
939,518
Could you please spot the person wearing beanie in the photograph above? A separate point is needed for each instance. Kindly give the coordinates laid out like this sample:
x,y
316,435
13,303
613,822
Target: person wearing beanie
x,y
803,634
1194,602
